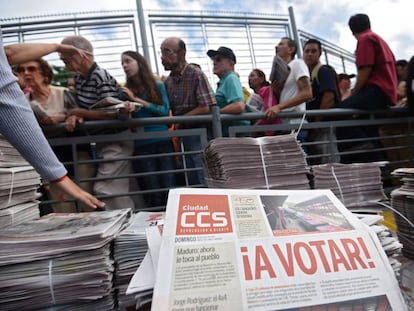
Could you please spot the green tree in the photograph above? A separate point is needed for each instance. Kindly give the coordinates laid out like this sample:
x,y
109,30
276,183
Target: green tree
x,y
61,75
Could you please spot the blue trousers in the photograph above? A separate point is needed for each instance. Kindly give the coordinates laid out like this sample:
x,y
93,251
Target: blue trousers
x,y
155,164
193,143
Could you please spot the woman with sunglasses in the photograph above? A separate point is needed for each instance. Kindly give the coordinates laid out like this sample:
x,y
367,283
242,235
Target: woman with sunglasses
x,y
27,137
49,104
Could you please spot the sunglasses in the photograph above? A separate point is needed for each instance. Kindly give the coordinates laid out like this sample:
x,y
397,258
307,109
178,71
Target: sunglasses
x,y
29,69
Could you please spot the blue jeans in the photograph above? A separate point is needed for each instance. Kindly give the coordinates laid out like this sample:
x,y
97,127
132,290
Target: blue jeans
x,y
193,143
155,164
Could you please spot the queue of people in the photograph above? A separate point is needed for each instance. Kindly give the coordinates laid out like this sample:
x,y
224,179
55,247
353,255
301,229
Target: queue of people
x,y
299,85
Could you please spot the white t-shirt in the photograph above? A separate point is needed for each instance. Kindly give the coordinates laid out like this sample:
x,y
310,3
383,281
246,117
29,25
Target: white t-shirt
x,y
298,69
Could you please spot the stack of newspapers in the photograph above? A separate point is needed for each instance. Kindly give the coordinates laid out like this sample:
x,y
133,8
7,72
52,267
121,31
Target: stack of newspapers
x,y
18,187
357,185
142,282
130,248
402,201
389,241
60,262
271,162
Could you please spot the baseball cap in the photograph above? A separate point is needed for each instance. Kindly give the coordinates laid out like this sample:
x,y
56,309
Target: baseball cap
x,y
401,62
223,51
343,76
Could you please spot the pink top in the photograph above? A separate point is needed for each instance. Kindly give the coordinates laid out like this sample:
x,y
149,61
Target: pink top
x,y
269,100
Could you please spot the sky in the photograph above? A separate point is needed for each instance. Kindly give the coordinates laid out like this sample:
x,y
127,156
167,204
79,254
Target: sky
x,y
327,19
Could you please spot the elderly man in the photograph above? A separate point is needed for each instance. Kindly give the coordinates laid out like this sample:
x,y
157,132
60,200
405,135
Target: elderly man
x,y
28,138
190,94
92,84
229,93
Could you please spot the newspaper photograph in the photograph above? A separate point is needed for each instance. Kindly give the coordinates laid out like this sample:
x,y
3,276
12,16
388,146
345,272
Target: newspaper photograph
x,y
290,250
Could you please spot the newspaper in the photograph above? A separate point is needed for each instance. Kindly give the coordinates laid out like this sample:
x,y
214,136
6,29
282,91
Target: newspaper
x,y
111,104
227,249
59,233
130,250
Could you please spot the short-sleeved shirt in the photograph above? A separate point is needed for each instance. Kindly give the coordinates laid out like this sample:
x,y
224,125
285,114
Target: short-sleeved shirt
x,y
325,82
298,69
373,51
97,85
229,90
189,90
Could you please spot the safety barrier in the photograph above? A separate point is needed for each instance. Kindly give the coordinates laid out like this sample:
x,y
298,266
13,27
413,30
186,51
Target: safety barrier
x,y
394,142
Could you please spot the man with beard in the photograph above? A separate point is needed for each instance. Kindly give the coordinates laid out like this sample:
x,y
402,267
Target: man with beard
x,y
190,94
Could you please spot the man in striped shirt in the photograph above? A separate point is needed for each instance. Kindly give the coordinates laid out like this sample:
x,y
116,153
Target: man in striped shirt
x,y
27,137
92,84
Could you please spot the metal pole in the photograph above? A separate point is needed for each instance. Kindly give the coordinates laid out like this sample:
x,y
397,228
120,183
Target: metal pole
x,y
143,30
295,32
215,111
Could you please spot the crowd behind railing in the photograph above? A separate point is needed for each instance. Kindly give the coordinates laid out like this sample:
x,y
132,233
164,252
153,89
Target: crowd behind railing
x,y
129,144
396,146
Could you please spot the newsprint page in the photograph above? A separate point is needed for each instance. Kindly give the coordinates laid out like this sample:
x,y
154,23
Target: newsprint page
x,y
269,250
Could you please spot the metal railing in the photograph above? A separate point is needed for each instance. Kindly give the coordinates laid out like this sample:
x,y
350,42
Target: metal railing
x,y
251,36
396,141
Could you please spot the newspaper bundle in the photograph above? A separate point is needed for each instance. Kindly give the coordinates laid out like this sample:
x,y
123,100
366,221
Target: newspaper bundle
x,y
60,262
130,248
270,162
18,187
269,250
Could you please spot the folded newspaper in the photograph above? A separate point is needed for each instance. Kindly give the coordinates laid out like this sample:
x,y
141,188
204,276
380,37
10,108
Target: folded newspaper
x,y
59,233
227,249
112,103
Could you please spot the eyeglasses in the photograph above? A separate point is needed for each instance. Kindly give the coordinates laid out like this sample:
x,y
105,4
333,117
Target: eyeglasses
x,y
168,52
29,69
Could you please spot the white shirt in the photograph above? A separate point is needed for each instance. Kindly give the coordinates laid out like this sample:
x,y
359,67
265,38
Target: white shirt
x,y
298,69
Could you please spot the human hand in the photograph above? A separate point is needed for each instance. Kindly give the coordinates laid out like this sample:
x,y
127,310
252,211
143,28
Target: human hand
x,y
70,122
272,112
66,186
127,93
52,120
69,51
129,107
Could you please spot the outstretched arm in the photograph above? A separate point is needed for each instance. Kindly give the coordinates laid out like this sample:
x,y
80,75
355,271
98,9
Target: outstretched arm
x,y
23,52
28,138
304,94
65,186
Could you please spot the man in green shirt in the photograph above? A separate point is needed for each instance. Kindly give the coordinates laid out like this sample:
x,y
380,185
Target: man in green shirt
x,y
229,93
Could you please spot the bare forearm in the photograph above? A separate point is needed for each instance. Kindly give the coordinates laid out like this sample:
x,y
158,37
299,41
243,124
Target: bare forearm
x,y
233,108
362,78
23,52
327,100
199,110
92,115
301,97
304,94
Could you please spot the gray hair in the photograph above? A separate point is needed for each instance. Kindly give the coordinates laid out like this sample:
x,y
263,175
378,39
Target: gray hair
x,y
79,42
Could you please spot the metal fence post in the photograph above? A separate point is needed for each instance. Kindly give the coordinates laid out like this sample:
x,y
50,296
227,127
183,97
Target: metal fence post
x,y
216,121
